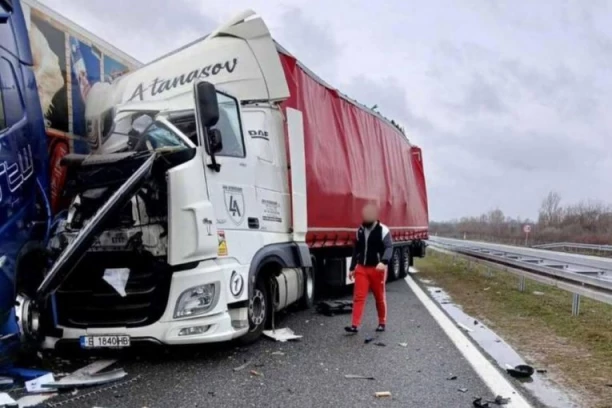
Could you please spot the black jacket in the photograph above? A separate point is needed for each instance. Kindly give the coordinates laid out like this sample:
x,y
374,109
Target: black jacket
x,y
378,248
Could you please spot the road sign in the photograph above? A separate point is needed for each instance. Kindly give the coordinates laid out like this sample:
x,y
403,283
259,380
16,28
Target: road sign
x,y
526,228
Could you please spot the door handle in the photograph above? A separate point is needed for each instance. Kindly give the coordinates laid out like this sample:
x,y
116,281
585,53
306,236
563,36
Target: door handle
x,y
253,223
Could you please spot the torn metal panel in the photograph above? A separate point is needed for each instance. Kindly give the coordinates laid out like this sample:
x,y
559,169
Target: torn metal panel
x,y
89,375
71,255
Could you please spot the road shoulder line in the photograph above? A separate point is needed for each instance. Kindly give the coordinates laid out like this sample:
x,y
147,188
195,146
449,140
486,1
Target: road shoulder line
x,y
490,375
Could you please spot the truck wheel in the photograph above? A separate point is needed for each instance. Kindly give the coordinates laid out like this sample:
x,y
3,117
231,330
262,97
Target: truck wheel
x,y
406,258
259,313
395,266
308,297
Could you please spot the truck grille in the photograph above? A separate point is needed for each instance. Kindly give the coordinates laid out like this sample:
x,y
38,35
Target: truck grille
x,y
85,300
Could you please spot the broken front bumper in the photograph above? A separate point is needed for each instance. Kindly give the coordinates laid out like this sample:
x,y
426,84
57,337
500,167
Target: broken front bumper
x,y
218,324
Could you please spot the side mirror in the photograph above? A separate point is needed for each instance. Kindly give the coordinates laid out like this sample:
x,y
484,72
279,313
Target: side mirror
x,y
214,141
6,8
208,108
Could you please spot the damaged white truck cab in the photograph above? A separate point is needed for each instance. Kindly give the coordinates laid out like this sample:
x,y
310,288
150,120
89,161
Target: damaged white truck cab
x,y
182,226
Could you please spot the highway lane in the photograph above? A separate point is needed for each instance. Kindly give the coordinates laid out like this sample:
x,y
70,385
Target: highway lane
x,y
308,373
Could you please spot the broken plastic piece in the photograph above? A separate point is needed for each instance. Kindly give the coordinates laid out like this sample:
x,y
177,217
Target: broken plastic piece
x,y
479,403
118,279
89,375
37,385
462,390
368,340
382,394
256,373
521,371
358,377
380,344
403,344
499,400
333,307
6,401
282,335
242,367
464,327
452,378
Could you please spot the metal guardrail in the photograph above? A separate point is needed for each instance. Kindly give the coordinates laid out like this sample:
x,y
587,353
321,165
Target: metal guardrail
x,y
575,245
581,275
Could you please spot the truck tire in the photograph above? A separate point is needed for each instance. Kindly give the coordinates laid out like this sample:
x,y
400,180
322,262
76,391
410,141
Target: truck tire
x,y
308,297
260,311
406,261
395,266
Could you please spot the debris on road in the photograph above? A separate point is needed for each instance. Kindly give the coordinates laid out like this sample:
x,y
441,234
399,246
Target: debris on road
x,y
464,390
499,400
242,367
358,377
37,385
7,402
278,353
464,327
334,307
521,371
382,394
403,344
475,322
256,373
452,378
282,335
380,344
368,339
542,371
479,403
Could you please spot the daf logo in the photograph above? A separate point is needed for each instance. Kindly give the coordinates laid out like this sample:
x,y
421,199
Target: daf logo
x,y
236,284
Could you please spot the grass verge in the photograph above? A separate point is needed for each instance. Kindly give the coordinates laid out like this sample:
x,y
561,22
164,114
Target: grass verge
x,y
538,323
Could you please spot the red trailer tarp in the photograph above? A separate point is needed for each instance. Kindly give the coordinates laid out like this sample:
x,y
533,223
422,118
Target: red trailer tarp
x,y
353,156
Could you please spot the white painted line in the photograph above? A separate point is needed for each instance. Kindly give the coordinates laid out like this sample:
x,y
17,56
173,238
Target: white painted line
x,y
497,383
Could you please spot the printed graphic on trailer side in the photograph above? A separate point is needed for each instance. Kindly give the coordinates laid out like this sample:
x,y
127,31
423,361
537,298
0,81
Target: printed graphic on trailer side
x,y
234,203
271,211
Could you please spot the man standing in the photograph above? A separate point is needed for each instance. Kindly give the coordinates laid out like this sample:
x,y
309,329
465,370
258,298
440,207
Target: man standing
x,y
371,255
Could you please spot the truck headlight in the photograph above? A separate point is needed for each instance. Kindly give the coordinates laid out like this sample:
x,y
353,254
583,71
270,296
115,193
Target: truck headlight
x,y
197,300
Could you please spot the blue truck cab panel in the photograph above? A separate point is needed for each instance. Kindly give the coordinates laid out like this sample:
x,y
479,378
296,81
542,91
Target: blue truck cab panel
x,y
24,178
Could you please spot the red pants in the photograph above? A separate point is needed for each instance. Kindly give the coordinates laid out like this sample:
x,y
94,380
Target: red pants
x,y
367,277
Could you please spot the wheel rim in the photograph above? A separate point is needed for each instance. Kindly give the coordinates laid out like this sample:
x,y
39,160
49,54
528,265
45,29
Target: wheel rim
x,y
257,308
396,264
309,285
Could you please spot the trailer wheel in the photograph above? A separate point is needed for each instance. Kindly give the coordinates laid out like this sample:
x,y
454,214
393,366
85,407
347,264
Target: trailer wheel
x,y
259,313
406,261
308,297
395,266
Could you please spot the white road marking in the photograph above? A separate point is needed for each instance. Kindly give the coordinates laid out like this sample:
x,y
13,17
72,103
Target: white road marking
x,y
497,383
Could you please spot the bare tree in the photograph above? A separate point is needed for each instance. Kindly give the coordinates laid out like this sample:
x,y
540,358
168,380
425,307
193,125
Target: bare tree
x,y
551,211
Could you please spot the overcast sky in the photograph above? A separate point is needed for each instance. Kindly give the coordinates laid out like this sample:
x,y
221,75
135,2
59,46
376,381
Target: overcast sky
x,y
506,98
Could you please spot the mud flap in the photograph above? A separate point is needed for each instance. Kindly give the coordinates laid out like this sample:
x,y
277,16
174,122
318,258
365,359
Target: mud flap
x,y
75,251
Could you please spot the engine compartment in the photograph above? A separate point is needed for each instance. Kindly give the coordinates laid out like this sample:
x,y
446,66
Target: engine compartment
x,y
130,241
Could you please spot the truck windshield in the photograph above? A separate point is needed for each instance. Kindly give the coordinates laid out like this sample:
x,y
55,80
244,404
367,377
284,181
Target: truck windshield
x,y
140,131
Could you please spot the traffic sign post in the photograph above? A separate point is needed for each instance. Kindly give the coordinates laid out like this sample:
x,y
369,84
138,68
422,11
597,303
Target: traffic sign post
x,y
526,230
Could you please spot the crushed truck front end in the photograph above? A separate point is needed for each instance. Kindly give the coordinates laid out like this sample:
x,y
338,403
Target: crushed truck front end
x,y
135,258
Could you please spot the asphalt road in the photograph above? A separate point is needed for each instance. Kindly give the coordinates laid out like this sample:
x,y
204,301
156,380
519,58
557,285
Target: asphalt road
x,y
309,373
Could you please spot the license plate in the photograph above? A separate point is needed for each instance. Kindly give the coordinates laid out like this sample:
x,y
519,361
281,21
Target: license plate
x,y
111,341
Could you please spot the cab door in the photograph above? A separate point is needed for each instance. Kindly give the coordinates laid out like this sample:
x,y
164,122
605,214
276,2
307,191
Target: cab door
x,y
231,178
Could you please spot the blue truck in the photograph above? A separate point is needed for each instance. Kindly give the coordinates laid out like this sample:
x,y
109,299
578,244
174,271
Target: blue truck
x,y
25,212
